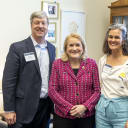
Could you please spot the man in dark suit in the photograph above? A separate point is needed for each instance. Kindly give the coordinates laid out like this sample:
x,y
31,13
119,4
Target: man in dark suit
x,y
25,78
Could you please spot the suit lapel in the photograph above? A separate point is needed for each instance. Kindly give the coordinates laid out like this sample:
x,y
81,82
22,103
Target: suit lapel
x,y
69,70
83,68
49,52
31,48
81,71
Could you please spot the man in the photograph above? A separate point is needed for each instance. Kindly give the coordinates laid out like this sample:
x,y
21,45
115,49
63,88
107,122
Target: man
x,y
25,77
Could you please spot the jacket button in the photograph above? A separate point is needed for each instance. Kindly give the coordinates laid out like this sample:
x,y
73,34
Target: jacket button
x,y
77,94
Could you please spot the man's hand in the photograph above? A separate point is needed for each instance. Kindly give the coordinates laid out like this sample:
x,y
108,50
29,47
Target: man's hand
x,y
10,117
78,111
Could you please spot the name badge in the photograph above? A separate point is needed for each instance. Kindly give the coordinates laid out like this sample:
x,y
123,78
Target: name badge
x,y
29,56
107,68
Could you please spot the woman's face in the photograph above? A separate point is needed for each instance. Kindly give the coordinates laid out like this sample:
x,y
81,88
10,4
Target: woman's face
x,y
115,40
74,48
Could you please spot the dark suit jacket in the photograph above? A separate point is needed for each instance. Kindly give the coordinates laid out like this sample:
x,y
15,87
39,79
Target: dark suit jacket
x,y
22,80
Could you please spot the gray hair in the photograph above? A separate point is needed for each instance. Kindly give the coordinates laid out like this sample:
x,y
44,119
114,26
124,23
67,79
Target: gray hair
x,y
39,14
123,30
121,27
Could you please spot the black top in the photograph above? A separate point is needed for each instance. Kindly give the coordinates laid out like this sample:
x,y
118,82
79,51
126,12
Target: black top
x,y
75,71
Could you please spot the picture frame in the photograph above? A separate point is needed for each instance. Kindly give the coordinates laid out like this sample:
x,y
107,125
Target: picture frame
x,y
76,24
51,8
51,35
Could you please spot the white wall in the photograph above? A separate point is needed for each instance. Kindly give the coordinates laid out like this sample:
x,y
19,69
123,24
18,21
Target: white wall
x,y
97,20
14,23
15,26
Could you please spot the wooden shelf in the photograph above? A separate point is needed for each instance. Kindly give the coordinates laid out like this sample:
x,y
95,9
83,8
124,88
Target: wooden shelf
x,y
118,8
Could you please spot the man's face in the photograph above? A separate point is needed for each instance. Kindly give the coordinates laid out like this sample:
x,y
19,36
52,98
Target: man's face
x,y
39,28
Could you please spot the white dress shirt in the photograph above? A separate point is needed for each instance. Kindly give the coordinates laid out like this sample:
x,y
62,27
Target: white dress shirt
x,y
43,59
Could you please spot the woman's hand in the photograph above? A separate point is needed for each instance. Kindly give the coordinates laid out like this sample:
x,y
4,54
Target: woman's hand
x,y
126,125
78,111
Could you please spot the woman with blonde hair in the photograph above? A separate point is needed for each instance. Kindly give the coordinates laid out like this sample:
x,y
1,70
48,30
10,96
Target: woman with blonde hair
x,y
74,86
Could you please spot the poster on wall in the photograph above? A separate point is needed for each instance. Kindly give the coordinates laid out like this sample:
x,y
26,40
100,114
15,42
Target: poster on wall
x,y
51,8
72,22
51,35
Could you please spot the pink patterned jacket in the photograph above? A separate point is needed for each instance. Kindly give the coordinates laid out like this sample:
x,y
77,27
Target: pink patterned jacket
x,y
67,90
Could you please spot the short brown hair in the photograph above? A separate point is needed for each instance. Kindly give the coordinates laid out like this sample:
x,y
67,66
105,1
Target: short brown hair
x,y
64,57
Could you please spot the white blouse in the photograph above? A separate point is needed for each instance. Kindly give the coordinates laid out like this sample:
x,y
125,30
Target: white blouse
x,y
114,79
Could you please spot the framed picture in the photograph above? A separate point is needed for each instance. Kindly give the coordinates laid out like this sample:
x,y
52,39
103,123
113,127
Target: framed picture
x,y
51,8
51,35
74,24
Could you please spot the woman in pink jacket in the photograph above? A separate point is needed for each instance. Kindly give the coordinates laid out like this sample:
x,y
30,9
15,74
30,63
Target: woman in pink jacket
x,y
74,86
